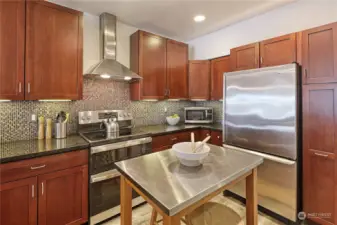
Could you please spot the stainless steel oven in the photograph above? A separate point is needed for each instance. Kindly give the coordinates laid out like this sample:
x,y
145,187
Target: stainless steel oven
x,y
198,115
105,179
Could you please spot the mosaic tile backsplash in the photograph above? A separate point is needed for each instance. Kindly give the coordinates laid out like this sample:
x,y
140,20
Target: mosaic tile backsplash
x,y
15,117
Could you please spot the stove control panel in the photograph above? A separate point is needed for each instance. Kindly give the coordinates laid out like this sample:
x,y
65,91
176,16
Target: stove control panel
x,y
89,117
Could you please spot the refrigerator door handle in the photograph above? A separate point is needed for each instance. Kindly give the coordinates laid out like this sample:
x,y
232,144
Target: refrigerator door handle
x,y
266,156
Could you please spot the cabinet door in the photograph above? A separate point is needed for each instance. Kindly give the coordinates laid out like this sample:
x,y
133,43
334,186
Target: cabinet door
x,y
245,57
18,202
319,149
218,67
152,66
320,54
216,137
278,51
63,197
12,41
177,67
203,134
199,79
53,52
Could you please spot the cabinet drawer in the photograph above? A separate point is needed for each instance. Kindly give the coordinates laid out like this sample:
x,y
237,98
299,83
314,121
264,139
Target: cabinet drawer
x,y
33,167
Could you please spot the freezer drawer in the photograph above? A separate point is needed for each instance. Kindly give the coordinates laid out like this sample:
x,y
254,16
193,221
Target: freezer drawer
x,y
277,185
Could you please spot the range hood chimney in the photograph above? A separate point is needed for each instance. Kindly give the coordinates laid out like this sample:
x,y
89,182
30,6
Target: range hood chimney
x,y
108,67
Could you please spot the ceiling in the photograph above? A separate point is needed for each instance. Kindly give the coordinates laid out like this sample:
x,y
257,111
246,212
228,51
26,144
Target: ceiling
x,y
174,18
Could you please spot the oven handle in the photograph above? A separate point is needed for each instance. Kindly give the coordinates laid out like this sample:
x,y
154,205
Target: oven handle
x,y
118,145
105,176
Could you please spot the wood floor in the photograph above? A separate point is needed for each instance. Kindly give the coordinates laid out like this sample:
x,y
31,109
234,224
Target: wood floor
x,y
217,210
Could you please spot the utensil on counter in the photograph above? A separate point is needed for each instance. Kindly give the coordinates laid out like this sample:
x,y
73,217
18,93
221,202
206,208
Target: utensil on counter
x,y
61,125
61,117
41,128
193,143
48,129
200,146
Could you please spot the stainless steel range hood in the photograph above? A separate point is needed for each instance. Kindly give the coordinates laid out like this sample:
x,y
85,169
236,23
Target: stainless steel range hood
x,y
108,67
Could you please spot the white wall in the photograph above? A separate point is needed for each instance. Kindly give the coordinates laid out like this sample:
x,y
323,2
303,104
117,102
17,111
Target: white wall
x,y
91,45
293,17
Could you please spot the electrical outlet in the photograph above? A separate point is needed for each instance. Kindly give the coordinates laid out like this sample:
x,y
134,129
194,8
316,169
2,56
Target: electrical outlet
x,y
34,117
165,109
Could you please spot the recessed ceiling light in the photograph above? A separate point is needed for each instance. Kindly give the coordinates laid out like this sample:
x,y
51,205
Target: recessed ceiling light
x,y
199,18
105,76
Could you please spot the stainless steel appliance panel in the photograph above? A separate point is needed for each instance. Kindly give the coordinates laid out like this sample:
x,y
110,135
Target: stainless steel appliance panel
x,y
276,185
198,115
261,110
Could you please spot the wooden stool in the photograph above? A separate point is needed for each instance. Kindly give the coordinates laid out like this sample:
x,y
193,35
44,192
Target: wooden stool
x,y
154,220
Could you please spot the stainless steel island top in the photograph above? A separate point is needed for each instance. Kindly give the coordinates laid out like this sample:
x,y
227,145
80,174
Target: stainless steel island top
x,y
174,187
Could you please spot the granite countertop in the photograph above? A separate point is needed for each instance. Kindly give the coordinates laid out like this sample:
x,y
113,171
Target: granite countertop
x,y
156,130
19,150
174,187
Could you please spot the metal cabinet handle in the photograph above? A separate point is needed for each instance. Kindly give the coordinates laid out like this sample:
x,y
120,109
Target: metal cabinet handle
x,y
322,155
33,191
174,139
261,59
19,87
306,73
37,167
218,137
42,188
28,87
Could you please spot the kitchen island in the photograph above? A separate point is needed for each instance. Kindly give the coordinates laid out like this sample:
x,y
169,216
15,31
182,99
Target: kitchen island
x,y
174,190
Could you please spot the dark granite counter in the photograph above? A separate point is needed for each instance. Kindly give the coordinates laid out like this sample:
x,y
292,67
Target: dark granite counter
x,y
19,150
156,130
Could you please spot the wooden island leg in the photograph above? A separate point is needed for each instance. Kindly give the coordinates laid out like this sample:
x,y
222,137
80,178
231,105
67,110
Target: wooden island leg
x,y
251,198
171,220
126,202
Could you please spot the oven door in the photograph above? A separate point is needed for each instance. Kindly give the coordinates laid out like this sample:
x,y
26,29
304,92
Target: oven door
x,y
198,115
105,196
105,179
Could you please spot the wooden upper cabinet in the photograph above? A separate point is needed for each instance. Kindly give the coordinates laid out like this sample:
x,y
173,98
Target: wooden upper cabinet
x,y
199,79
177,70
319,54
63,197
218,67
245,57
278,51
53,52
319,150
12,40
18,202
148,59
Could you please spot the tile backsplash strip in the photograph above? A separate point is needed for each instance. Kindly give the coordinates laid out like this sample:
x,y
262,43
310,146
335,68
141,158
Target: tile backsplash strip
x,y
15,117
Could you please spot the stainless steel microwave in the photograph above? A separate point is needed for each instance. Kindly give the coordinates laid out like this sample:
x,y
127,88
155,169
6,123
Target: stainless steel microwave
x,y
198,115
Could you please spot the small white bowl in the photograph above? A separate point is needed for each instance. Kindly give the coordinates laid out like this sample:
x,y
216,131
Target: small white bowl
x,y
184,153
172,121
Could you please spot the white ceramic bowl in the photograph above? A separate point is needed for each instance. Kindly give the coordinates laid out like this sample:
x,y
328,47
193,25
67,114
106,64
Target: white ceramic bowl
x,y
184,153
172,121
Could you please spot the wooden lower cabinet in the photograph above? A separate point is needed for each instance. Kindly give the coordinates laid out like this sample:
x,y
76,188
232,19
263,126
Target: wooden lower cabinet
x,y
63,197
18,202
164,142
319,152
216,138
58,197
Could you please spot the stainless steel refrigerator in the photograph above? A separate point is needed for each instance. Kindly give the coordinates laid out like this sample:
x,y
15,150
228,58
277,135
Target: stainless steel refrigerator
x,y
261,111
